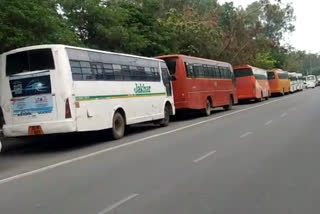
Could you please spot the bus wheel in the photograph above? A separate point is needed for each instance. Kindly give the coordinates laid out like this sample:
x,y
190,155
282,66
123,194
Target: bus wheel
x,y
118,126
166,120
260,98
229,107
207,110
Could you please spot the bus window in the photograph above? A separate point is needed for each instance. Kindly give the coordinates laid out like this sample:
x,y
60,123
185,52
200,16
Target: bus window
x,y
171,64
216,72
26,61
311,78
189,69
283,76
271,76
243,73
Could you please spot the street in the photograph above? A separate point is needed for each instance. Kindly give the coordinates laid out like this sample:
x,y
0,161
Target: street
x,y
257,158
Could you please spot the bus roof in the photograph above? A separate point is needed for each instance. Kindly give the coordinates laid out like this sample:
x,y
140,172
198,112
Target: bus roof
x,y
73,47
255,70
190,57
247,66
242,66
278,70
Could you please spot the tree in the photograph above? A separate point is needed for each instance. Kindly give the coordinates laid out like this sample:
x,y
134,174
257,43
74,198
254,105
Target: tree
x,y
192,34
32,22
265,61
122,26
201,28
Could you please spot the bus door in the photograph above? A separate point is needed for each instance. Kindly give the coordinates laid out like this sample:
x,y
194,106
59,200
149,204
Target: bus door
x,y
166,78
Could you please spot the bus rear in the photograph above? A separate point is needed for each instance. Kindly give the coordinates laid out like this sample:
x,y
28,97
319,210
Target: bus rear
x,y
176,68
279,81
252,83
245,82
36,91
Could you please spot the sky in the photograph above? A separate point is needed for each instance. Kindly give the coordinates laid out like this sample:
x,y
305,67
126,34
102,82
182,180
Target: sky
x,y
307,34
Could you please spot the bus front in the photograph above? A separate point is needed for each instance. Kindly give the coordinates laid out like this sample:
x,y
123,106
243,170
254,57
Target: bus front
x,y
36,91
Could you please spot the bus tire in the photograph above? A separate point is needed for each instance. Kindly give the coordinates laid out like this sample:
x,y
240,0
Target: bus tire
x,y
207,110
118,126
260,98
229,107
166,120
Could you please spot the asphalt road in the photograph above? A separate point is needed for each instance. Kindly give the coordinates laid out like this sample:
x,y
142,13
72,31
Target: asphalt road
x,y
258,158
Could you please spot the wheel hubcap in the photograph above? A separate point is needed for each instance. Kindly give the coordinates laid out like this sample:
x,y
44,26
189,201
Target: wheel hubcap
x,y
117,125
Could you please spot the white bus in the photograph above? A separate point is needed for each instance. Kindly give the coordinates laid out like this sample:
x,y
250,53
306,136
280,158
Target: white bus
x,y
293,77
52,89
300,83
311,81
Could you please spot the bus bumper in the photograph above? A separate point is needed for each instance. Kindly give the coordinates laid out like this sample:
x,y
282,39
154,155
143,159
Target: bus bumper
x,y
54,127
246,97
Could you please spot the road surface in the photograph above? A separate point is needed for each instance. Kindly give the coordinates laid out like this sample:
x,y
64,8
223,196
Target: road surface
x,y
258,158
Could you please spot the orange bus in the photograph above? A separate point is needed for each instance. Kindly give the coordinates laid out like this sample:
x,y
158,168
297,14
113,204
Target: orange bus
x,y
252,83
201,84
279,81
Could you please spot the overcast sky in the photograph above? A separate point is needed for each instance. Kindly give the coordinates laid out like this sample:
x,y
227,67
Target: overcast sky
x,y
307,33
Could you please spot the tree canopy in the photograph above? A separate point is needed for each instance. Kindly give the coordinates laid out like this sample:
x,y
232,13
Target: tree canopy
x,y
203,28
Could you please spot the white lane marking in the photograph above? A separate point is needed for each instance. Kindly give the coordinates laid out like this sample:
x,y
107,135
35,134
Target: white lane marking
x,y
25,174
119,203
268,123
246,134
204,156
284,114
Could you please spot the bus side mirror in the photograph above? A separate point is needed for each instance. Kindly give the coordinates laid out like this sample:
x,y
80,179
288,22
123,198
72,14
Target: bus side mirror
x,y
173,78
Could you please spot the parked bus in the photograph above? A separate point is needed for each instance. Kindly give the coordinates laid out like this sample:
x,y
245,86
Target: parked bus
x,y
252,83
300,82
311,81
279,81
51,89
201,84
293,81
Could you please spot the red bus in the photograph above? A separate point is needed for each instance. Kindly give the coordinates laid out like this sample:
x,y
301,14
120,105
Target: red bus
x,y
201,84
252,83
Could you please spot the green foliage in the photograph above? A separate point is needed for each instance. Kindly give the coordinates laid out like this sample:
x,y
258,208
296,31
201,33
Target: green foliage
x,y
203,28
265,61
192,34
31,22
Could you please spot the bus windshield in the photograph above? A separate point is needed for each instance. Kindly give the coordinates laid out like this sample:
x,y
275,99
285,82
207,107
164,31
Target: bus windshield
x,y
243,72
311,78
26,61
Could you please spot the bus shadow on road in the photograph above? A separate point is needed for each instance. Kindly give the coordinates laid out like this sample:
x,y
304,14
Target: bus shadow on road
x,y
52,144
77,141
65,143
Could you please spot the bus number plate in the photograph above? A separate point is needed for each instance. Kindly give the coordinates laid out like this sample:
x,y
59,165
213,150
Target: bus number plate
x,y
35,130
